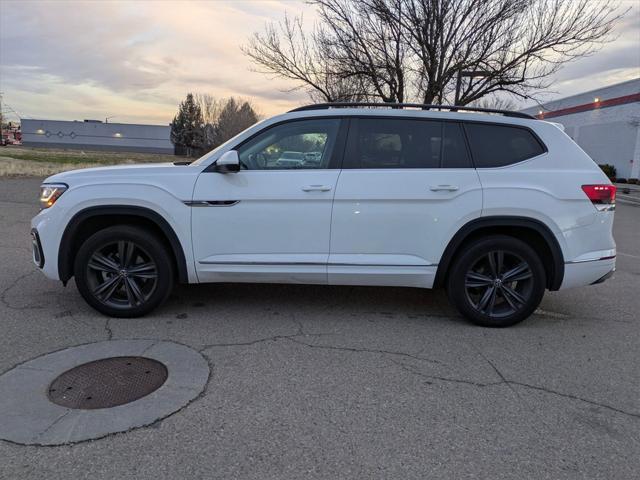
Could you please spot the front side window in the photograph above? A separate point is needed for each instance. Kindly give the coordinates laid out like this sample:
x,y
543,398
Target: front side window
x,y
501,145
302,144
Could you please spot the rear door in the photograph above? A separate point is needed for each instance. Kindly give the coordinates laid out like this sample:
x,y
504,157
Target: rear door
x,y
406,187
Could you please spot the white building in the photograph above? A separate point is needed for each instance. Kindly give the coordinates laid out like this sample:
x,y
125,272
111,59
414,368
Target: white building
x,y
604,122
96,135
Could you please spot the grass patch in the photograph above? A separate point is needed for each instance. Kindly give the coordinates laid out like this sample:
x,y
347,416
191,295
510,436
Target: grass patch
x,y
81,156
26,161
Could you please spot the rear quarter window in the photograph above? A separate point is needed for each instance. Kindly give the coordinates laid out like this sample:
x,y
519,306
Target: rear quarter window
x,y
501,145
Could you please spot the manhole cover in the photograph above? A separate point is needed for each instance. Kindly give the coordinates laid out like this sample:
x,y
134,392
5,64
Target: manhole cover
x,y
108,382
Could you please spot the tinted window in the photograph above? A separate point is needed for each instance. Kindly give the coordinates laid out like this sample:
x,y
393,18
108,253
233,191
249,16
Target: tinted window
x,y
395,143
406,143
499,145
304,144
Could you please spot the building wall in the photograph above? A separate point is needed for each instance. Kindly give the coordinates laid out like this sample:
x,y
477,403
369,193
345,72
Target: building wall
x,y
97,136
608,130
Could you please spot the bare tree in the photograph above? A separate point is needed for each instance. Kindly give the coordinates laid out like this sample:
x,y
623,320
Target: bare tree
x,y
498,103
203,121
363,44
414,50
285,50
235,116
210,107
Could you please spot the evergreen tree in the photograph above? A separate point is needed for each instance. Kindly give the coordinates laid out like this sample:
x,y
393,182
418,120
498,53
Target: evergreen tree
x,y
187,128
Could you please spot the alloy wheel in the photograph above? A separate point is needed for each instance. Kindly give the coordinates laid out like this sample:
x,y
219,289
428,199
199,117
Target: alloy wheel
x,y
122,274
499,284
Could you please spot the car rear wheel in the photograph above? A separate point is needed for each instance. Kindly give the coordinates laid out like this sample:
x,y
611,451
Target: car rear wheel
x,y
497,281
123,271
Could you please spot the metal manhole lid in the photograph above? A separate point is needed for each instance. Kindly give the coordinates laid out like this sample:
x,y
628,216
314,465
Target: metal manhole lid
x,y
107,382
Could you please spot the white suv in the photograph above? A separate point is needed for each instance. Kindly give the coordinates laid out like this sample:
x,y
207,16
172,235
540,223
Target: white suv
x,y
493,205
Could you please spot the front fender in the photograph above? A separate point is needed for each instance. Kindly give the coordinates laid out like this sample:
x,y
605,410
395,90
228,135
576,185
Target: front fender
x,y
169,213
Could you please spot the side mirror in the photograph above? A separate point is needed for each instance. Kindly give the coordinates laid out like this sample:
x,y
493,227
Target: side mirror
x,y
229,162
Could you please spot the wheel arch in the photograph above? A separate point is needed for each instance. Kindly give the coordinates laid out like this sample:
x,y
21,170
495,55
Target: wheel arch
x,y
89,220
534,232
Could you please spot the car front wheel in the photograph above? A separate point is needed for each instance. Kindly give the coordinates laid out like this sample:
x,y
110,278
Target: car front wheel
x,y
497,281
123,271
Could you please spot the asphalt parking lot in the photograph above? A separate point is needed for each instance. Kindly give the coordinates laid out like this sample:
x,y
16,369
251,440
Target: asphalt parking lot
x,y
350,382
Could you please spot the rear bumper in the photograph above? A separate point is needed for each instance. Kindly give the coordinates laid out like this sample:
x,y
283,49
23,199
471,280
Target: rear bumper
x,y
605,277
587,273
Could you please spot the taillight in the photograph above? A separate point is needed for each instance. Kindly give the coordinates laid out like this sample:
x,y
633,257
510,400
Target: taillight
x,y
603,197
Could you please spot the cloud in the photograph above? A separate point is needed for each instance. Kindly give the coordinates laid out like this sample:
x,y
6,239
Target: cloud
x,y
78,42
626,57
137,60
126,53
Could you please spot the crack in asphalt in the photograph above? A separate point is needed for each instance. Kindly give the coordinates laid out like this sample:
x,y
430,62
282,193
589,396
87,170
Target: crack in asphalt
x,y
260,340
107,328
523,401
298,324
411,369
53,424
510,383
503,380
362,350
153,344
5,292
294,337
573,397
502,377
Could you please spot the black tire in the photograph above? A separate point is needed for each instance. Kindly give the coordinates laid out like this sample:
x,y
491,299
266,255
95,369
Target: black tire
x,y
496,281
135,286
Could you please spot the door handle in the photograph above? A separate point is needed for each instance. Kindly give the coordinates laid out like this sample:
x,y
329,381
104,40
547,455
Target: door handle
x,y
445,188
316,188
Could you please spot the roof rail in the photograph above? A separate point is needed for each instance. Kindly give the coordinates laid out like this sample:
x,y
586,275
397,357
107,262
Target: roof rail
x,y
422,106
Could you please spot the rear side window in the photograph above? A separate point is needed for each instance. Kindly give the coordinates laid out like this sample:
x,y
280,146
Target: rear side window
x,y
501,145
406,143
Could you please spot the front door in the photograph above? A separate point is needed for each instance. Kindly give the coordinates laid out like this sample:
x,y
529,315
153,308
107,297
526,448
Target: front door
x,y
271,221
406,187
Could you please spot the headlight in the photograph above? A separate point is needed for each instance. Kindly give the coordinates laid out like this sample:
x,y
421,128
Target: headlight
x,y
50,192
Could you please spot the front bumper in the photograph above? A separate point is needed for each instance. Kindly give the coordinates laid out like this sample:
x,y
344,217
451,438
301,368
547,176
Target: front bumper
x,y
45,241
38,253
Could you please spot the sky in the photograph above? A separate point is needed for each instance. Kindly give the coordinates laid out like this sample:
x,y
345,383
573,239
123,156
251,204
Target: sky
x,y
134,61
